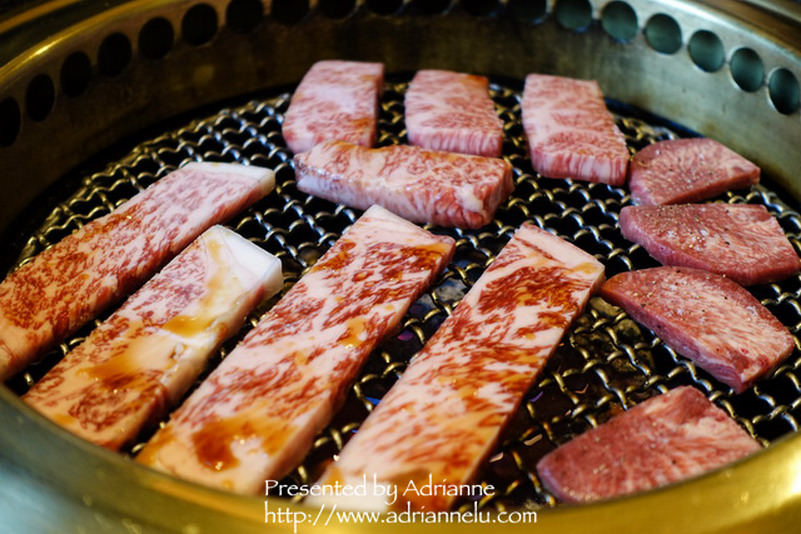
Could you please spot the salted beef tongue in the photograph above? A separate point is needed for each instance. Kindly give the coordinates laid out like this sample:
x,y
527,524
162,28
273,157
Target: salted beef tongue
x,y
665,439
704,317
740,241
687,170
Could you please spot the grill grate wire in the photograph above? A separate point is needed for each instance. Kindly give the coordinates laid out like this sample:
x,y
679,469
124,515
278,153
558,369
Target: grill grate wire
x,y
605,364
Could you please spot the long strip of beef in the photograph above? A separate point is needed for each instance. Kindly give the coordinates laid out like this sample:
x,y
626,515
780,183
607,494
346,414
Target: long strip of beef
x,y
146,355
740,241
452,111
570,132
665,439
257,414
707,318
335,100
441,420
420,185
73,281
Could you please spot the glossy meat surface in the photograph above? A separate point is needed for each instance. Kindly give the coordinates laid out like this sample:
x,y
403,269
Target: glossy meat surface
x,y
257,414
73,281
452,111
420,185
443,417
570,132
335,100
146,355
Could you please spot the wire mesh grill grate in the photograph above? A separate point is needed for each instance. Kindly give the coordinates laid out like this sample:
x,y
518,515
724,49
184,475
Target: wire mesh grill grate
x,y
606,363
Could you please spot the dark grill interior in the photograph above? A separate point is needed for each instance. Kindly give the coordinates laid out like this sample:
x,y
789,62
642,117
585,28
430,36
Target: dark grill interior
x,y
606,362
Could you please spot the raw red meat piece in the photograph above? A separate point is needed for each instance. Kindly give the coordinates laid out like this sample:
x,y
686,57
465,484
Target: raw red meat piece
x,y
71,282
420,185
452,111
442,419
705,317
570,132
147,354
257,414
335,100
687,170
665,439
740,241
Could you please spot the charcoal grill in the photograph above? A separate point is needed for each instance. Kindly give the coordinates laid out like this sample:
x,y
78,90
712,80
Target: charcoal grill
x,y
100,99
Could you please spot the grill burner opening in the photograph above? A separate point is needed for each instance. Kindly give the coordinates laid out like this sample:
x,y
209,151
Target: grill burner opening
x,y
606,363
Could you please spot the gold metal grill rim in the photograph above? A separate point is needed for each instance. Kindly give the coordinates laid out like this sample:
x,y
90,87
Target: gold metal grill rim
x,y
772,498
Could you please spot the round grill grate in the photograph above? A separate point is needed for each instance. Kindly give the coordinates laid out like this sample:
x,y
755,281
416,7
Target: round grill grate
x,y
605,364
